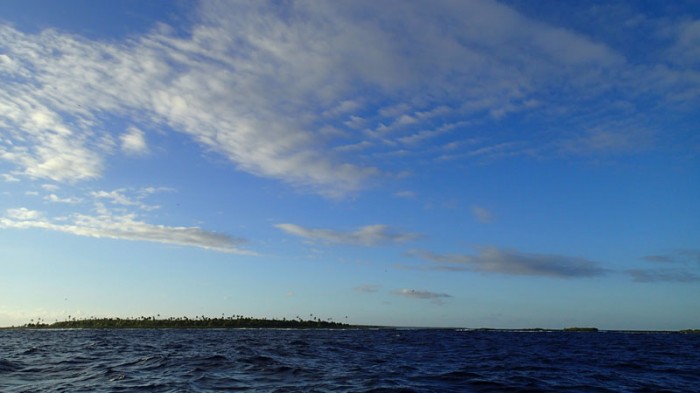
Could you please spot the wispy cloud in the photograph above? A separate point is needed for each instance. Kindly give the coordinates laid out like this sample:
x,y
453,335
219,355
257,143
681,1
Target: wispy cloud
x,y
513,262
370,235
435,297
106,224
663,275
262,83
129,197
23,214
678,266
660,258
56,199
680,256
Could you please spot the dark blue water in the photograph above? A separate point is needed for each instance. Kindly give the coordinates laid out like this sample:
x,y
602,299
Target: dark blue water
x,y
345,361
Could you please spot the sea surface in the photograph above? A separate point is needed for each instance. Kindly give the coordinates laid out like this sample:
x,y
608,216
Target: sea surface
x,y
384,360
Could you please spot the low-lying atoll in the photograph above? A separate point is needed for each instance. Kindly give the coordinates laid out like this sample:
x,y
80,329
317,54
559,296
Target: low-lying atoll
x,y
581,329
199,322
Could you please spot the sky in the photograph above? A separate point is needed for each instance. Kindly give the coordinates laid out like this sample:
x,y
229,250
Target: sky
x,y
503,164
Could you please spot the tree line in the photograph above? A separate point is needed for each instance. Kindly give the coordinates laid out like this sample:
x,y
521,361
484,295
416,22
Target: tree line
x,y
198,322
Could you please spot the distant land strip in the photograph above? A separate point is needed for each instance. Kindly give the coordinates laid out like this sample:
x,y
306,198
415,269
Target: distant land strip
x,y
199,322
243,322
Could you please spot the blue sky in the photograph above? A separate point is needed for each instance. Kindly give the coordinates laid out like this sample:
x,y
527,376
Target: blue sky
x,y
473,163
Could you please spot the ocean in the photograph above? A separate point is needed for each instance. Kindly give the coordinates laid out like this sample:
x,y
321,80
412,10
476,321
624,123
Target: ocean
x,y
352,360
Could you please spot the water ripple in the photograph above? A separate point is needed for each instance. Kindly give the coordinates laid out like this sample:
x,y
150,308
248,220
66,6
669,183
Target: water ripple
x,y
345,361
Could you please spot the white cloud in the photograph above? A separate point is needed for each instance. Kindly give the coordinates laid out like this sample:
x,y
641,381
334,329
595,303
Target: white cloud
x,y
369,235
23,214
121,197
50,187
38,140
9,178
134,141
115,196
56,199
123,227
262,84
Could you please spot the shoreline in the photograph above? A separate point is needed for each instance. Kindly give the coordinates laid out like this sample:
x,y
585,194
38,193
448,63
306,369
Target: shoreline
x,y
240,322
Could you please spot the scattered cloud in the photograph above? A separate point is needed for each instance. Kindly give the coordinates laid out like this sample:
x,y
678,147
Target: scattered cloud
x,y
370,235
23,214
513,262
56,199
261,84
9,178
124,227
134,142
50,187
354,147
121,197
435,297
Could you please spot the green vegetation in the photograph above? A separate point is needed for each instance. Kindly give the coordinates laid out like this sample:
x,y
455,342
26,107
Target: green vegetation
x,y
581,329
199,322
690,331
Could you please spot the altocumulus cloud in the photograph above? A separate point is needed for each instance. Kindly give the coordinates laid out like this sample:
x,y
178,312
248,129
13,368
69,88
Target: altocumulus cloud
x,y
134,141
369,235
280,88
512,262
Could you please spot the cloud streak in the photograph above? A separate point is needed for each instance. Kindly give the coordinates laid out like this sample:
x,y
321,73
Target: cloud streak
x,y
370,235
513,262
123,227
434,297
663,275
679,266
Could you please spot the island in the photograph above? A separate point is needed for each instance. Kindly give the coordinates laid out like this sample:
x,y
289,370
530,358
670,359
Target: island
x,y
198,322
581,329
